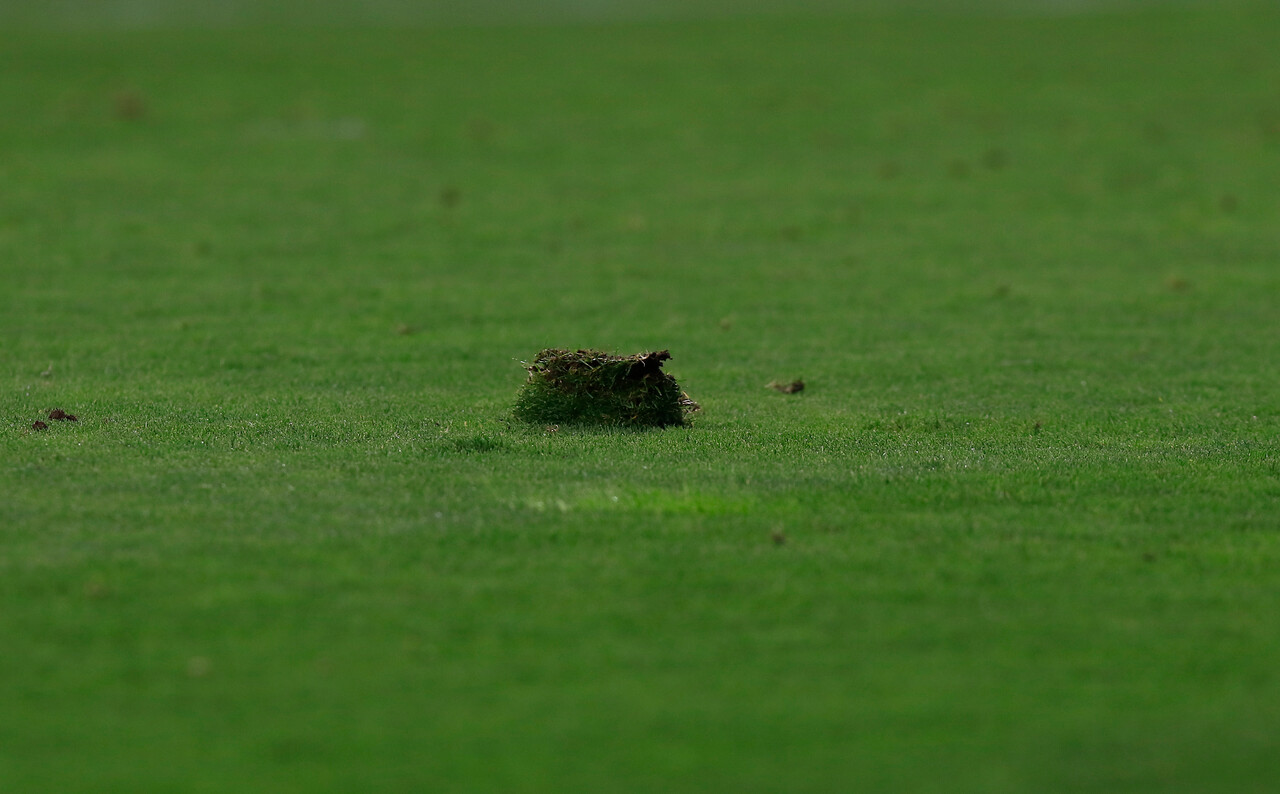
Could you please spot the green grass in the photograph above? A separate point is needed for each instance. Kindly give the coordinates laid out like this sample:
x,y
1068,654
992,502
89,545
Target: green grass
x,y
1029,270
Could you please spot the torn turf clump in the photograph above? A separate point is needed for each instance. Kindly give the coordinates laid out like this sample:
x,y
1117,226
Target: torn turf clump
x,y
591,387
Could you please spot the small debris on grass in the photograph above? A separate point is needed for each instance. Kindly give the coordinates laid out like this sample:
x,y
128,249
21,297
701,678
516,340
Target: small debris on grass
x,y
995,159
1037,427
96,589
592,387
129,106
404,329
199,666
481,130
59,415
48,373
1179,284
38,425
778,537
794,387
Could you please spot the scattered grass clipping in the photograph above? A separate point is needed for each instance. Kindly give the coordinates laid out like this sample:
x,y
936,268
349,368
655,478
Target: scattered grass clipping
x,y
594,388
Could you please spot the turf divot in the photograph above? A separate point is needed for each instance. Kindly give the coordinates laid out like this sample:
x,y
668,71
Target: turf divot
x,y
593,388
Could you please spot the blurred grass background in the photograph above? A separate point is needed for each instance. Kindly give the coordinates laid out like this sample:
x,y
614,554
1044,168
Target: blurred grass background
x,y
159,13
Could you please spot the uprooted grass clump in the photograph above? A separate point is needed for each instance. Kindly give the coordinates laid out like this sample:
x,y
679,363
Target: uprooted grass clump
x,y
591,387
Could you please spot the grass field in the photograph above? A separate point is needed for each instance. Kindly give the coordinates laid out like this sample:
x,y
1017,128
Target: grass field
x,y
1019,533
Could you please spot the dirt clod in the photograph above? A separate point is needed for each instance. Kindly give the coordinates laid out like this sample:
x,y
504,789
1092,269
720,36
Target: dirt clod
x,y
793,387
481,130
129,106
38,425
778,537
